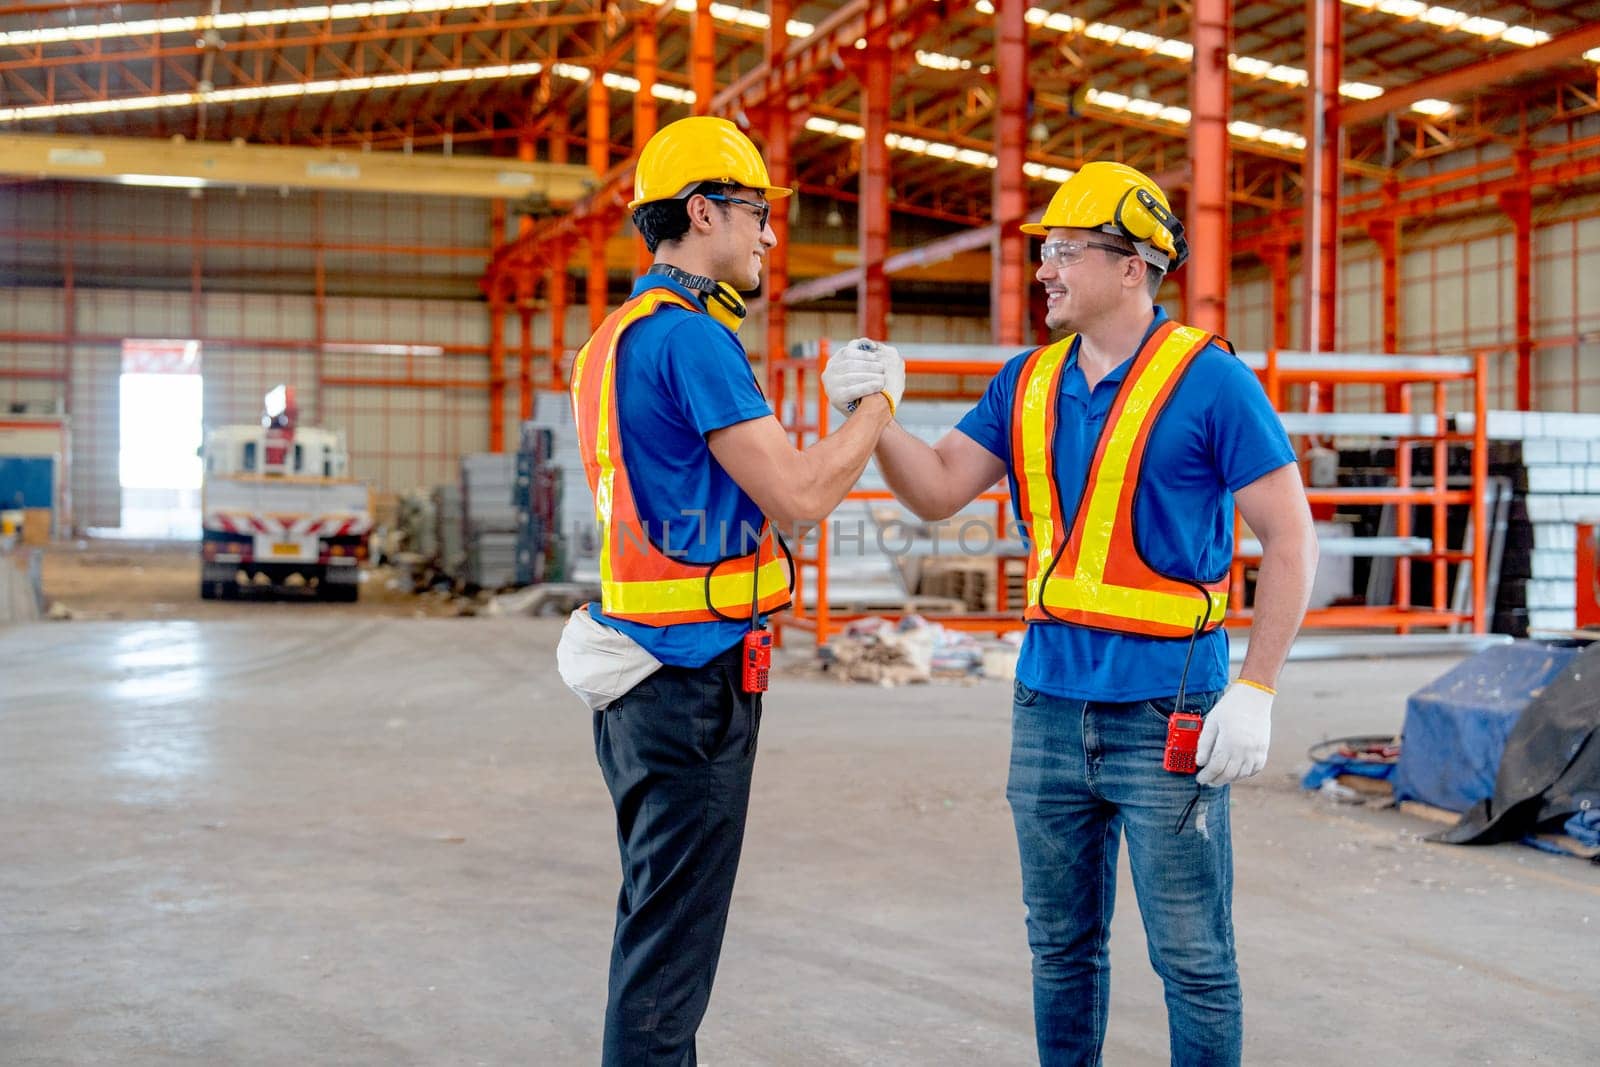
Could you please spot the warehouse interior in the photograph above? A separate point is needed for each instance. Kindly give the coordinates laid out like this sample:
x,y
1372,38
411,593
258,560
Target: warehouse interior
x,y
339,808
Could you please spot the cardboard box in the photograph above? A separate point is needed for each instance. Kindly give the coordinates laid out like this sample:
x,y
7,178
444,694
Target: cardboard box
x,y
36,526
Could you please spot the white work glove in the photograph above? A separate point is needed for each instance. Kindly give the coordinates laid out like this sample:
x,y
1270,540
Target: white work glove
x,y
1234,740
860,369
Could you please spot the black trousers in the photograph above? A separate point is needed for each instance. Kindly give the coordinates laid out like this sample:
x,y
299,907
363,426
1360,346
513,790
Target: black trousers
x,y
676,752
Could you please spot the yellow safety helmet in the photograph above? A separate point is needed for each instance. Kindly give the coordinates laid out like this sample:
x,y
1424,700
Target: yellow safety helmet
x,y
698,149
1116,199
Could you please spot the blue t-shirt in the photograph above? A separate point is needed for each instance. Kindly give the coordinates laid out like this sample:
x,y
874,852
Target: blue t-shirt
x,y
680,375
1216,435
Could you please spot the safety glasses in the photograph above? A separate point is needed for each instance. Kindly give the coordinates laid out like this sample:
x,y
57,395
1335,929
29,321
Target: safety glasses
x,y
1060,254
763,208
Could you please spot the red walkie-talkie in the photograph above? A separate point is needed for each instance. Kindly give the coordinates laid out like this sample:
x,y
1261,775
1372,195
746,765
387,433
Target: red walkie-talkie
x,y
1183,738
756,663
757,660
1183,729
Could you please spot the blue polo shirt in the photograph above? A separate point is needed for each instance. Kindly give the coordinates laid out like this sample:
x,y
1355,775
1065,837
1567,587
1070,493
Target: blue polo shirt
x,y
1217,435
680,375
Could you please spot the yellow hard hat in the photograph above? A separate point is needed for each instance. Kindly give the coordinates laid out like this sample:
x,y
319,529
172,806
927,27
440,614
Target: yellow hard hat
x,y
1116,199
694,150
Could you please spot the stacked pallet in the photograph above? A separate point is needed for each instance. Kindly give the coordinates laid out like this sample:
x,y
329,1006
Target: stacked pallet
x,y
447,529
573,517
1552,460
1016,584
968,581
1550,464
541,551
489,518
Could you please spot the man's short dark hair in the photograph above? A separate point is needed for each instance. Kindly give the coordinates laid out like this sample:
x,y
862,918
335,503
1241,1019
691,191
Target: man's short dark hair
x,y
668,220
1152,278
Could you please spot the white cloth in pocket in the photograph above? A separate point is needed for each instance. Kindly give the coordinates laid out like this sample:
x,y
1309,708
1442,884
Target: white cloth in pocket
x,y
600,663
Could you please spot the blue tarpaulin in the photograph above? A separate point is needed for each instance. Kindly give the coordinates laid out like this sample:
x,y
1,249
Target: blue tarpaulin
x,y
1457,725
1328,769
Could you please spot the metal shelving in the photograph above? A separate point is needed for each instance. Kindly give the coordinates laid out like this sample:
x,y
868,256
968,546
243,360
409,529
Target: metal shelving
x,y
1434,428
947,372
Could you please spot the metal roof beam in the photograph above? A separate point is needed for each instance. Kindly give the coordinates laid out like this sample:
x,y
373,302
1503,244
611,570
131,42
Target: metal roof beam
x,y
1474,76
142,160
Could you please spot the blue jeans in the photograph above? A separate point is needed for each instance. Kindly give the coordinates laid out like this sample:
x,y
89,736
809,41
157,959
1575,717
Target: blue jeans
x,y
1084,773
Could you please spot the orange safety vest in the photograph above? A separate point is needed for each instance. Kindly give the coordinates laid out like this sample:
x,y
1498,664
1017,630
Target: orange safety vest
x,y
638,581
1092,573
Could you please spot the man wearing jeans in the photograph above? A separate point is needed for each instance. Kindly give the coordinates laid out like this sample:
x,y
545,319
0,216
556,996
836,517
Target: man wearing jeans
x,y
1127,445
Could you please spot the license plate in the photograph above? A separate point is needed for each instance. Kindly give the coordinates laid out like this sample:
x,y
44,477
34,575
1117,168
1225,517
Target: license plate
x,y
285,548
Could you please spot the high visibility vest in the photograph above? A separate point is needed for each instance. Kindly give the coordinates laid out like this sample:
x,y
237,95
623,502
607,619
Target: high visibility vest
x,y
1089,571
638,581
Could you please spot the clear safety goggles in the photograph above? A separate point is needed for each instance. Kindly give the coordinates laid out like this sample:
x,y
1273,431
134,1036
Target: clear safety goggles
x,y
1065,253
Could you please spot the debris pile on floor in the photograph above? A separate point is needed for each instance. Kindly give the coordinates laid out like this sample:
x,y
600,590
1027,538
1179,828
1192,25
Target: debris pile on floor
x,y
1353,770
880,652
549,598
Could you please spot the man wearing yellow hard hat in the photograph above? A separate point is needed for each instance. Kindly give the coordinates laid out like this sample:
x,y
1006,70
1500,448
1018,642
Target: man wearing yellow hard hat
x,y
1126,443
692,476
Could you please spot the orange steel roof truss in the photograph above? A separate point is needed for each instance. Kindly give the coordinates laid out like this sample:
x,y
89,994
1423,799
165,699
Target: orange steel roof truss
x,y
1106,80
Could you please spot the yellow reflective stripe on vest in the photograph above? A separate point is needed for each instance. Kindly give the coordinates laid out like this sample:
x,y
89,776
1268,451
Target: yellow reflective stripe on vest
x,y
608,471
1063,594
604,491
1038,401
1085,590
1101,520
730,593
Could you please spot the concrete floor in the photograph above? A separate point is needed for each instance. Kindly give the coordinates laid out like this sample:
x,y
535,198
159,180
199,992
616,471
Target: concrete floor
x,y
324,839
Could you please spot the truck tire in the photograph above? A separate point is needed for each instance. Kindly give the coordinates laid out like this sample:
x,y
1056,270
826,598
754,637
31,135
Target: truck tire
x,y
339,593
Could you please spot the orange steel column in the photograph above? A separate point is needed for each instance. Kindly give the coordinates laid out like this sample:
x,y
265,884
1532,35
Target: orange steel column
x,y
69,331
556,272
556,286
703,58
319,311
497,374
525,360
1207,277
1008,287
1518,206
872,309
780,170
644,105
595,288
526,283
1276,257
1385,233
558,137
497,336
1319,256
599,162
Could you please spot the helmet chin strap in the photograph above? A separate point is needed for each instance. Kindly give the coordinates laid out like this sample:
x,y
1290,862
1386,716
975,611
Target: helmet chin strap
x,y
721,300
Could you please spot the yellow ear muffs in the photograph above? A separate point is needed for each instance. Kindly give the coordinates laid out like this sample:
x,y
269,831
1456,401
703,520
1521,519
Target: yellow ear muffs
x,y
721,300
1141,222
725,305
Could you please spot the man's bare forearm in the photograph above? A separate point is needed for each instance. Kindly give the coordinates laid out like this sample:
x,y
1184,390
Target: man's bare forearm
x,y
915,472
1283,588
828,469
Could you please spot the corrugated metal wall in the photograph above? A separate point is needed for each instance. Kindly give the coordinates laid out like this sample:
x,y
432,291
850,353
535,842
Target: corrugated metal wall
x,y
1457,294
402,284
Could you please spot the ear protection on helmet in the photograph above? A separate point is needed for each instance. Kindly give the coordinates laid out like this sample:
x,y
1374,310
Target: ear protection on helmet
x,y
721,300
1140,221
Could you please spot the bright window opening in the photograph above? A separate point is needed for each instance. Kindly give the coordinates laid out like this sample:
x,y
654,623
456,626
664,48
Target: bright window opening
x,y
162,412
